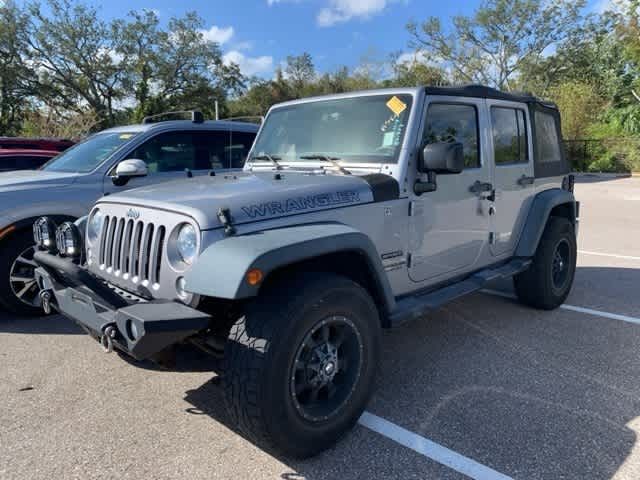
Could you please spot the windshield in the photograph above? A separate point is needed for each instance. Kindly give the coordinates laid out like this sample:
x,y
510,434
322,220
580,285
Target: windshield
x,y
366,129
86,156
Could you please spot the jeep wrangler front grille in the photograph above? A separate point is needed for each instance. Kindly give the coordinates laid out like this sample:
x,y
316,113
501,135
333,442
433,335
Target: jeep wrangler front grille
x,y
132,249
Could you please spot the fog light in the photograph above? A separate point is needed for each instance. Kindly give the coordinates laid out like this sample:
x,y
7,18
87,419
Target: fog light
x,y
132,330
68,240
44,233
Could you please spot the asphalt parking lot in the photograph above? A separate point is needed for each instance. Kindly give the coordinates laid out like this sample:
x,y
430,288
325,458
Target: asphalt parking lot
x,y
483,388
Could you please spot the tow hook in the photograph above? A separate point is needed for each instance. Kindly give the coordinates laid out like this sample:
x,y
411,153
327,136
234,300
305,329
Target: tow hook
x,y
45,300
106,340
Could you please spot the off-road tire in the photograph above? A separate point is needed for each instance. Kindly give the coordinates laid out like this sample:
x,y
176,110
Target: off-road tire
x,y
535,286
261,350
10,248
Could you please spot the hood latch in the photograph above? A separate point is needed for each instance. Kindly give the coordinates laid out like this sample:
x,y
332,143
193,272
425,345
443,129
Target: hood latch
x,y
224,215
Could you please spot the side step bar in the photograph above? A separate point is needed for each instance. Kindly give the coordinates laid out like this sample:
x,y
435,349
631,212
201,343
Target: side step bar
x,y
415,306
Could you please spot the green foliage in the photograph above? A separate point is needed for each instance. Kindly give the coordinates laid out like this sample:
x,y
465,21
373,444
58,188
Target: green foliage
x,y
579,105
492,46
14,70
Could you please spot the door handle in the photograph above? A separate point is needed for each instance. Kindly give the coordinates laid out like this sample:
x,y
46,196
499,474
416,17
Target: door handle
x,y
484,190
523,181
481,187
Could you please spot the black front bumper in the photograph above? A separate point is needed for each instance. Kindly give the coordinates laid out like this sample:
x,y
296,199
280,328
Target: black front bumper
x,y
139,328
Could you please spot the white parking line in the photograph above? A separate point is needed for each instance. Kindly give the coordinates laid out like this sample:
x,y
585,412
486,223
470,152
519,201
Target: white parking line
x,y
430,449
573,308
611,255
599,313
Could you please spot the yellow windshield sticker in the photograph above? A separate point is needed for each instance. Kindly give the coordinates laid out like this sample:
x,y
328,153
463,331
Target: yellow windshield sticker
x,y
396,105
126,136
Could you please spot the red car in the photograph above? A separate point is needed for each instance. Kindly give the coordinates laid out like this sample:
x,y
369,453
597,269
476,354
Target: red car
x,y
51,144
20,159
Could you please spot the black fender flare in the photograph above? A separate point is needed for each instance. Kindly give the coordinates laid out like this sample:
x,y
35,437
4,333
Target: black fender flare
x,y
541,207
220,270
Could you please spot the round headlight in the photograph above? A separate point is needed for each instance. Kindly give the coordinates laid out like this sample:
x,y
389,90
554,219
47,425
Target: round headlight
x,y
187,243
68,240
94,225
44,233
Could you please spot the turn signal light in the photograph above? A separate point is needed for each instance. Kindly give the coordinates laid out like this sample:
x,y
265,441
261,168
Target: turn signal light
x,y
254,277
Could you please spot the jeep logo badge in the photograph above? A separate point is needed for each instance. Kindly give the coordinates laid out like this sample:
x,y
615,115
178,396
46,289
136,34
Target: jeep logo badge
x,y
133,213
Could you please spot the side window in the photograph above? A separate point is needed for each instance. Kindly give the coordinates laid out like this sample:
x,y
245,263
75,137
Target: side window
x,y
225,149
30,163
168,152
547,143
454,123
210,149
509,136
239,147
8,163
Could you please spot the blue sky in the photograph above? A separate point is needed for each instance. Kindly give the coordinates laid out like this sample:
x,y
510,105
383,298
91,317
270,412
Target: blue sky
x,y
259,34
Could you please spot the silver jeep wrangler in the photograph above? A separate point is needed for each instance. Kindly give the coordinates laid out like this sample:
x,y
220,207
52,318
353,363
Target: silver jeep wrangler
x,y
354,213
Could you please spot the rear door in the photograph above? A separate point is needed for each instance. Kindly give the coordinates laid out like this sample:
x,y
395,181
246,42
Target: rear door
x,y
513,177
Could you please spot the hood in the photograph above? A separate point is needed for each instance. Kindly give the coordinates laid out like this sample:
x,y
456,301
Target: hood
x,y
25,179
254,197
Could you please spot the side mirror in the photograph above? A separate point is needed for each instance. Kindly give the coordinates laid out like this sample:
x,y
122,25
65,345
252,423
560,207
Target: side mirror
x,y
443,158
129,169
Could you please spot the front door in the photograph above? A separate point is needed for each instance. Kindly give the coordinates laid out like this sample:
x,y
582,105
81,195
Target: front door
x,y
513,174
449,228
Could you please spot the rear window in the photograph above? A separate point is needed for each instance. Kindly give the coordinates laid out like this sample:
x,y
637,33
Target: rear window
x,y
509,136
547,141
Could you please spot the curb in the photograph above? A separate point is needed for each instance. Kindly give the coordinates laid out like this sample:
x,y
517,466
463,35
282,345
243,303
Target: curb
x,y
606,175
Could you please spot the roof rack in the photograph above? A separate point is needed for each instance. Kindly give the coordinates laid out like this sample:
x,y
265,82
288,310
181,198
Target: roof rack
x,y
196,116
260,118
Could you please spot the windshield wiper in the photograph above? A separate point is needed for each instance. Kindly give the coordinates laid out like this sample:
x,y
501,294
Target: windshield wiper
x,y
269,158
327,158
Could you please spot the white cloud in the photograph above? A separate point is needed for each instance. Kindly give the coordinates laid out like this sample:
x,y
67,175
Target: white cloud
x,y
219,35
274,2
412,57
249,65
619,6
242,46
340,11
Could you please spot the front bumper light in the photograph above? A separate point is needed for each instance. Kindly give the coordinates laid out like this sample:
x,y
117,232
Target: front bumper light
x,y
69,240
187,243
44,233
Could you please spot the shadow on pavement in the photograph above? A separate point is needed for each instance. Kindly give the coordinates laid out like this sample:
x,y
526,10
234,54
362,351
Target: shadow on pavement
x,y
597,178
46,325
528,393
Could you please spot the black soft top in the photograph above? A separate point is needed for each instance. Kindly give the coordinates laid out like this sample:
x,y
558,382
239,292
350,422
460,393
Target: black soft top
x,y
543,165
481,91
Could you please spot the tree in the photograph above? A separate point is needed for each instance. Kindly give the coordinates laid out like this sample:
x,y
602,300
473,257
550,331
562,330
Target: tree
x,y
415,72
492,46
74,53
300,72
139,51
580,106
14,69
174,69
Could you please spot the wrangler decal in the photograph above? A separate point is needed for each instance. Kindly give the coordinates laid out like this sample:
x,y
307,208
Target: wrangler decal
x,y
308,202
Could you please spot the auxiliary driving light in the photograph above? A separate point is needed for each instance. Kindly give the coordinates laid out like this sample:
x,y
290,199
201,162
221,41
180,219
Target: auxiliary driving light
x,y
44,233
68,240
